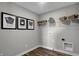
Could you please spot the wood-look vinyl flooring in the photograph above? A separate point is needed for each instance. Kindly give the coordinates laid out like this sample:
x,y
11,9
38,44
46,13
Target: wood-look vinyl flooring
x,y
44,52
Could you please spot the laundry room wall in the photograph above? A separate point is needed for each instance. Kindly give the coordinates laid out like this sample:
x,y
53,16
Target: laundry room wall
x,y
14,42
52,35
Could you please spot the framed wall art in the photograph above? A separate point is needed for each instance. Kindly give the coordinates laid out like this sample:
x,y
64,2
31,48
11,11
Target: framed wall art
x,y
8,21
21,23
30,25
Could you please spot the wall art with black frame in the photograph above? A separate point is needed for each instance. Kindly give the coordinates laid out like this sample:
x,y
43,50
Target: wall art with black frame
x,y
21,23
8,21
30,24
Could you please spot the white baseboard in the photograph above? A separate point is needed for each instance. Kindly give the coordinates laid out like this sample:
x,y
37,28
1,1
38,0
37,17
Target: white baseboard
x,y
28,50
70,53
74,54
46,47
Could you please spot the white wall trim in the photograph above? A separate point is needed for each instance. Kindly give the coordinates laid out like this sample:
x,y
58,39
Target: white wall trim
x,y
46,47
28,50
70,53
74,54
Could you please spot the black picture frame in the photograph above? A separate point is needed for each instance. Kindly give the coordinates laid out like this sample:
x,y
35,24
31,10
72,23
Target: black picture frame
x,y
8,20
21,23
32,24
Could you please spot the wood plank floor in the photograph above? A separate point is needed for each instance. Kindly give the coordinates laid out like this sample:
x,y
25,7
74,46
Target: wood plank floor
x,y
44,52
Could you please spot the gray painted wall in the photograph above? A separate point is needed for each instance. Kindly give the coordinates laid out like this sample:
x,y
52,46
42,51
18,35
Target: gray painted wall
x,y
52,35
14,42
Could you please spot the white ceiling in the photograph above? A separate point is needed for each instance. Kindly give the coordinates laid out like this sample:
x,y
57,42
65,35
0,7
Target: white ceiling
x,y
41,7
